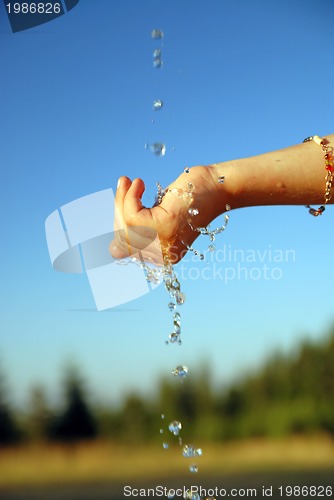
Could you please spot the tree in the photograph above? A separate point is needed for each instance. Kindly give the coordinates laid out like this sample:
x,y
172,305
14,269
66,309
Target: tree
x,y
9,432
76,422
39,414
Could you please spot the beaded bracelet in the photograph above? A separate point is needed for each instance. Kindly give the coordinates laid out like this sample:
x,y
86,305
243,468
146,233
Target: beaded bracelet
x,y
329,166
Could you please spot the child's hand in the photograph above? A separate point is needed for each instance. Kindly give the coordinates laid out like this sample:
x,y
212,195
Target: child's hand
x,y
163,228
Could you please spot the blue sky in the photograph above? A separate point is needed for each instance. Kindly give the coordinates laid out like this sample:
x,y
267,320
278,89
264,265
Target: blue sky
x,y
239,78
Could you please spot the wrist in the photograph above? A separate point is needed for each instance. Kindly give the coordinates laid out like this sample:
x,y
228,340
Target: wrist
x,y
226,185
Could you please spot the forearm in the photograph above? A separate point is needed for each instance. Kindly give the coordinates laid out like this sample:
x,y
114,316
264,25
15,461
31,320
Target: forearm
x,y
291,176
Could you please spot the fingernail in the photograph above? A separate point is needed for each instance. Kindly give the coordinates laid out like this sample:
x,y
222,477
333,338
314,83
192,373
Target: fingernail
x,y
118,183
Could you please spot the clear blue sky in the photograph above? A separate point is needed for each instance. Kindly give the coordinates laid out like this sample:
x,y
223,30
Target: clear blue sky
x,y
239,78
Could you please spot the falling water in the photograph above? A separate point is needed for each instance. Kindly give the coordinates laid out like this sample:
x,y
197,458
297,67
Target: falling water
x,y
169,276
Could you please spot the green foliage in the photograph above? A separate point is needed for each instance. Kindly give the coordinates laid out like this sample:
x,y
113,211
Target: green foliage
x,y
39,415
9,431
289,394
76,421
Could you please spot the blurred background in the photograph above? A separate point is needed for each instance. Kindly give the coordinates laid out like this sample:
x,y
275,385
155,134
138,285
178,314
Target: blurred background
x,y
82,392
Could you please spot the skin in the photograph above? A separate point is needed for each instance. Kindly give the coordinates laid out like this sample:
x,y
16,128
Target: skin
x,y
291,176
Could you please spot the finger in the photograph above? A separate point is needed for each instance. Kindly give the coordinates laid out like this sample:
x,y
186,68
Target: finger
x,y
123,186
116,251
116,247
132,204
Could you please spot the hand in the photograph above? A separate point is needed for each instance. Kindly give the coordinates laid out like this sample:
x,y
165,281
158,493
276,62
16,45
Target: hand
x,y
164,229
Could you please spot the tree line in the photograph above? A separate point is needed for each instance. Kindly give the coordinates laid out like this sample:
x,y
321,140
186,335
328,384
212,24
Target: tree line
x,y
290,393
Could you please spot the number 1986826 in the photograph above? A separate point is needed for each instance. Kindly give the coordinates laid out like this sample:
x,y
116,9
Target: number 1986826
x,y
33,8
305,491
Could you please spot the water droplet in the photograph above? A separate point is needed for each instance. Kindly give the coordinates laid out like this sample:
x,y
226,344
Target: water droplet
x,y
227,206
180,441
165,446
221,179
186,170
176,285
177,316
174,337
157,54
157,63
193,211
158,104
157,34
212,248
171,494
175,427
190,451
177,192
193,468
177,326
227,218
160,193
162,416
180,371
158,148
212,237
180,298
201,256
191,187
171,306
187,197
161,431
189,495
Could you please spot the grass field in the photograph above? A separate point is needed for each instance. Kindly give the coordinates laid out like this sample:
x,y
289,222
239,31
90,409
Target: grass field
x,y
99,462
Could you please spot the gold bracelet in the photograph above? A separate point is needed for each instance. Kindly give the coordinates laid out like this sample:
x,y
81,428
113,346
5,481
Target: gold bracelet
x,y
329,166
